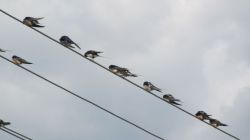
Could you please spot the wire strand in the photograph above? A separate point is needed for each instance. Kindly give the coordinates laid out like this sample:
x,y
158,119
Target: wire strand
x,y
15,135
84,99
138,86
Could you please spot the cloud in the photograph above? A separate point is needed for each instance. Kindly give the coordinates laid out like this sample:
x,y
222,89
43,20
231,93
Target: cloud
x,y
197,50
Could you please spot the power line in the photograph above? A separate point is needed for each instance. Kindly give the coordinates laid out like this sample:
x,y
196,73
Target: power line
x,y
13,133
84,99
138,86
17,133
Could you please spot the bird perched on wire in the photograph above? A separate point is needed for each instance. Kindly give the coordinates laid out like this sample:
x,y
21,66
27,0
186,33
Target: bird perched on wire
x,y
32,22
114,68
202,115
124,72
170,98
18,60
3,123
92,54
67,42
149,87
216,123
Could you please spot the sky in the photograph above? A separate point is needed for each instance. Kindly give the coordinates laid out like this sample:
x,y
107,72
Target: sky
x,y
196,50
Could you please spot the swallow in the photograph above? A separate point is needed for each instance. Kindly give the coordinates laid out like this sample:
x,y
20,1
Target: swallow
x,y
92,54
202,115
18,60
114,68
32,22
126,73
216,123
66,41
149,87
3,124
170,98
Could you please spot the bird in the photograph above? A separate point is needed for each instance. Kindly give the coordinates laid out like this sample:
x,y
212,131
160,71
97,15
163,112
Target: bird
x,y
124,72
18,60
3,123
216,123
149,86
32,22
114,68
170,98
92,54
67,42
202,115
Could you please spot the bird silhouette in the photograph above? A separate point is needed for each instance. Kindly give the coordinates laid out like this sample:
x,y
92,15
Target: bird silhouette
x,y
170,98
18,60
67,42
149,86
32,22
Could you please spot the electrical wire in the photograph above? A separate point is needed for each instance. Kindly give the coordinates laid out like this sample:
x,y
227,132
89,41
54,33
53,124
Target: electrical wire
x,y
17,133
138,86
84,99
13,134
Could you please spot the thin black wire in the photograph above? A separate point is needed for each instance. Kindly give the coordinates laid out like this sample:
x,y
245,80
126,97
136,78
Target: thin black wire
x,y
84,99
12,134
118,75
17,133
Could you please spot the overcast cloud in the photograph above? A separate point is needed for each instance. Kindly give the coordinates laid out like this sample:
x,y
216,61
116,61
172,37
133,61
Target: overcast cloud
x,y
196,49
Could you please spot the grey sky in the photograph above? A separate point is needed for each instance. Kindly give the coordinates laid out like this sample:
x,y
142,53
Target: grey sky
x,y
196,49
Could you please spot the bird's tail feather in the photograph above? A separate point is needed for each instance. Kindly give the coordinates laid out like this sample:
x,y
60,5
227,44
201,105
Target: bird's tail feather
x,y
157,89
77,46
222,124
36,25
134,75
178,100
39,18
27,62
175,103
6,123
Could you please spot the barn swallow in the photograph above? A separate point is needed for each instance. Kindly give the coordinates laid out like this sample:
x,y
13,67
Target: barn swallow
x,y
149,87
66,41
121,71
126,73
114,68
32,22
216,123
3,124
18,60
202,115
92,54
170,98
